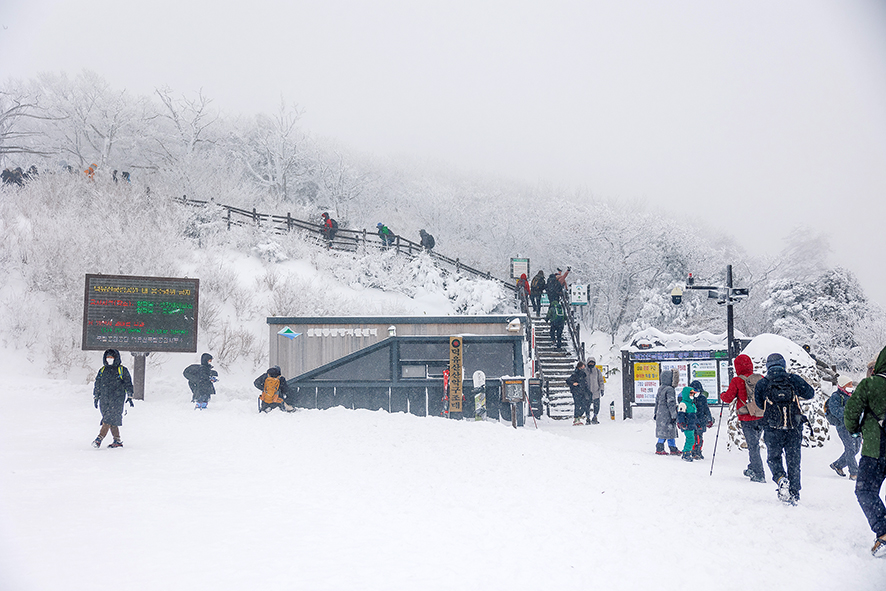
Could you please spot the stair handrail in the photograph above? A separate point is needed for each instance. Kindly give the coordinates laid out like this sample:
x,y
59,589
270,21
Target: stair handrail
x,y
344,237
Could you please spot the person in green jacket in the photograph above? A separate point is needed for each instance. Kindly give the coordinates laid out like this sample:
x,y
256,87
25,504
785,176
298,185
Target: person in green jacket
x,y
865,411
686,419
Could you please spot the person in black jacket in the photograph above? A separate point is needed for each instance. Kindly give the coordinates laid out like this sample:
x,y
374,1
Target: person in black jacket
x,y
536,288
581,393
275,391
782,425
201,379
113,388
703,418
427,241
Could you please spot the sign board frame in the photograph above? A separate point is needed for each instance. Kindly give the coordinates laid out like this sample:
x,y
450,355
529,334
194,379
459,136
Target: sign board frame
x,y
140,314
518,267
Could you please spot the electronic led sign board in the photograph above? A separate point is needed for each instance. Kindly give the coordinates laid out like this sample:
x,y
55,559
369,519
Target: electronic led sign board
x,y
143,314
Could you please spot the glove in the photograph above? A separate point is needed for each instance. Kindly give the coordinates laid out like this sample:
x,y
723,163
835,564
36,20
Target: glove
x,y
213,379
129,400
95,402
681,426
710,424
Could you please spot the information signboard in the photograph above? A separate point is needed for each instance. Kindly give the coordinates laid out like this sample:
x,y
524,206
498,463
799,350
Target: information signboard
x,y
455,374
143,314
519,267
645,382
578,294
706,373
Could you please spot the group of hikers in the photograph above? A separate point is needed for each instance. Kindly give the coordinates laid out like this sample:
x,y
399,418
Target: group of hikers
x,y
329,227
555,286
769,407
17,176
113,389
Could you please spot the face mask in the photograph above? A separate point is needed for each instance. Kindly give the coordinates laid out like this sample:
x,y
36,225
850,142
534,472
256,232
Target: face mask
x,y
109,360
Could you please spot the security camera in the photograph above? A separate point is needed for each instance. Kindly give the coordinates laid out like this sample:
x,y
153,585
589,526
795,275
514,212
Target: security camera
x,y
677,296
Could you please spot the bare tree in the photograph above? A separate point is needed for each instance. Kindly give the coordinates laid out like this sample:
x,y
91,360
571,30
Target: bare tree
x,y
16,106
272,150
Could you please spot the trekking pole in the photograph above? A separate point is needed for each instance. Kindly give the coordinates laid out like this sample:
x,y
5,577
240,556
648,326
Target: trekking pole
x,y
716,439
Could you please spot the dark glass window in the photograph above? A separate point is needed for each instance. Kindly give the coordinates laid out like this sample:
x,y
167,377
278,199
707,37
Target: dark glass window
x,y
374,366
493,359
424,351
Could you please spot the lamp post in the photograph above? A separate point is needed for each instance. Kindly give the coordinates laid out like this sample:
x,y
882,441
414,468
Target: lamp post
x,y
724,295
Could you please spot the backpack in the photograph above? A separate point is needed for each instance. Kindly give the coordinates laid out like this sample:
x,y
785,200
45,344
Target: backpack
x,y
333,224
269,392
557,314
750,408
833,402
538,284
430,242
782,410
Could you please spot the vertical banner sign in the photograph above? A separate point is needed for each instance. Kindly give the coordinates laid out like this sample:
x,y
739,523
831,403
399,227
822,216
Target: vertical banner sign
x,y
144,314
455,374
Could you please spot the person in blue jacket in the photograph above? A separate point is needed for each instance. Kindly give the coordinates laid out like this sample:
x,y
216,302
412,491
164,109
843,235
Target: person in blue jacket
x,y
851,443
782,426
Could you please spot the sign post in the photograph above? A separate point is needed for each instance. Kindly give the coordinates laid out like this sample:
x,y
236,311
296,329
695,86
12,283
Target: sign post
x,y
141,315
455,375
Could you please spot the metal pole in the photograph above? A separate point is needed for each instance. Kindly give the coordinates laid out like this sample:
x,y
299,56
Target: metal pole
x,y
138,376
730,333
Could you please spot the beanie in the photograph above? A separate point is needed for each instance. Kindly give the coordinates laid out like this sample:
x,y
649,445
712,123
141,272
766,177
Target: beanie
x,y
775,359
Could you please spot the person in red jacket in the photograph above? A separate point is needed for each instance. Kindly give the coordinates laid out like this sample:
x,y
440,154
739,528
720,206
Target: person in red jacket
x,y
751,425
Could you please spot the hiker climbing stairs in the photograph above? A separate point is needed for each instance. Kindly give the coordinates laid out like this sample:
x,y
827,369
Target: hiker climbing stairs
x,y
556,365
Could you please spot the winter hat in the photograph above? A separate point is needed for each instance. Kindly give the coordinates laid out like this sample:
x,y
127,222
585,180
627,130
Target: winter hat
x,y
843,381
775,359
523,276
379,225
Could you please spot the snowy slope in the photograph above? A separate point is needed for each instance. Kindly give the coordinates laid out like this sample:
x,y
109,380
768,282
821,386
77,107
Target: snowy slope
x,y
228,499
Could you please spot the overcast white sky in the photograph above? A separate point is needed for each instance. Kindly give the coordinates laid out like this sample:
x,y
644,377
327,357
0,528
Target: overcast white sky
x,y
766,113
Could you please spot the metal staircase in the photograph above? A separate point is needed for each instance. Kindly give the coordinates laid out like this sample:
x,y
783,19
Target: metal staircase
x,y
555,365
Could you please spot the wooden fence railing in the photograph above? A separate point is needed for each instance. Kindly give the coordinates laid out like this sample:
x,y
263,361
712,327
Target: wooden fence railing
x,y
345,239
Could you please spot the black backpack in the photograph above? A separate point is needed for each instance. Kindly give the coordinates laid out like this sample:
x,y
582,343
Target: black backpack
x,y
782,409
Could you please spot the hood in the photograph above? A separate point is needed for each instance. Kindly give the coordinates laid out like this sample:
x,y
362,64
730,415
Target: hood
x,y
880,364
116,355
743,365
775,360
666,377
274,372
523,276
686,394
204,359
696,385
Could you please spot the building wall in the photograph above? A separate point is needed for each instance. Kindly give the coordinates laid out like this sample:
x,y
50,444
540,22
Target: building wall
x,y
316,341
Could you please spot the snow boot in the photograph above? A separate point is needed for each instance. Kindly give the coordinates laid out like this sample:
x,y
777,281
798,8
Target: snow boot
x,y
687,456
758,478
879,549
784,489
594,421
117,443
97,443
576,422
837,469
675,451
659,449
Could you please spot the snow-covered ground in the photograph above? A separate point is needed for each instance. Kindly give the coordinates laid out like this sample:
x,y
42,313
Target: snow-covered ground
x,y
227,499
